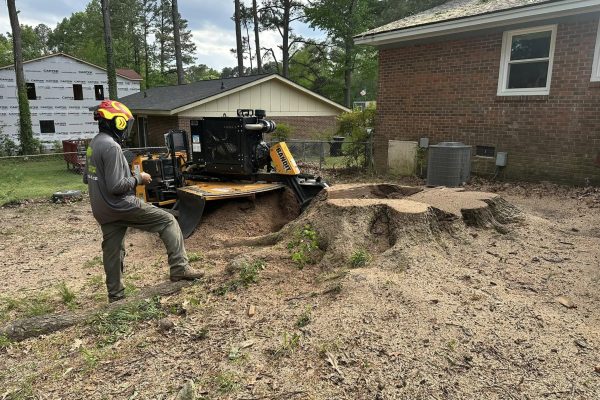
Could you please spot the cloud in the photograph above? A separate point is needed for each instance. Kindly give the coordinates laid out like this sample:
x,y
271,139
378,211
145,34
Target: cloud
x,y
210,22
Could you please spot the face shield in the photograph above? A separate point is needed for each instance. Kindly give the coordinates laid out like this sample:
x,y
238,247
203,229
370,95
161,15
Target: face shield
x,y
128,129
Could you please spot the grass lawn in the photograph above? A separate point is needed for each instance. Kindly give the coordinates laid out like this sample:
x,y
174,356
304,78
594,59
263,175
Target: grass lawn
x,y
36,178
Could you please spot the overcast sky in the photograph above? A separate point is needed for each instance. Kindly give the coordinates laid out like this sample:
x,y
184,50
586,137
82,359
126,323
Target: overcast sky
x,y
210,22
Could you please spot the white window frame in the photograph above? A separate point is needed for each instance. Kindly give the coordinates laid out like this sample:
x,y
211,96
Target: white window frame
x,y
505,59
596,65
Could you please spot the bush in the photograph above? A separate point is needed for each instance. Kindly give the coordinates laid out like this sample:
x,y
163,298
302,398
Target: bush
x,y
7,146
354,125
283,132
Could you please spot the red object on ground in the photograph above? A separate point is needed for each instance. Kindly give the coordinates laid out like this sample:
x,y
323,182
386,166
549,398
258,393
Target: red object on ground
x,y
74,154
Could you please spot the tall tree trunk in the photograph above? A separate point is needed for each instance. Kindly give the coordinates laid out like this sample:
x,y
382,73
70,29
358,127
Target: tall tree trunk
x,y
110,62
176,36
146,54
349,57
348,67
162,38
250,56
238,38
256,37
286,38
25,132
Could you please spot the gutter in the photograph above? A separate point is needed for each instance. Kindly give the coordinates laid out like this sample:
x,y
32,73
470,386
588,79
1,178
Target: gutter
x,y
484,21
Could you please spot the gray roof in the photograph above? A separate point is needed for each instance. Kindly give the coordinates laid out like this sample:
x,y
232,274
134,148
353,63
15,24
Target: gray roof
x,y
455,9
168,98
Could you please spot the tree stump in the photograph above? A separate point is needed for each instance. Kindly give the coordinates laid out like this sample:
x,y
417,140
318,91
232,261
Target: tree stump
x,y
386,220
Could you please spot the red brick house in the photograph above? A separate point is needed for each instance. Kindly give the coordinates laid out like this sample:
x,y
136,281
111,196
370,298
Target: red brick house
x,y
515,76
159,109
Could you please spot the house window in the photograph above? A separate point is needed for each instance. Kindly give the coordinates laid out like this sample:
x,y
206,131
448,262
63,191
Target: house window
x,y
526,64
77,92
596,65
47,126
99,90
31,91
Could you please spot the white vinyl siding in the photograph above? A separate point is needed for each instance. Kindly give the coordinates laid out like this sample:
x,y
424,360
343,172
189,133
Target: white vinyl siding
x,y
526,61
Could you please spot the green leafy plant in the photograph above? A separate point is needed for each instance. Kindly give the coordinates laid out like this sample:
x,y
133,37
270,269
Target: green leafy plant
x,y
283,132
249,274
355,126
359,259
8,147
304,248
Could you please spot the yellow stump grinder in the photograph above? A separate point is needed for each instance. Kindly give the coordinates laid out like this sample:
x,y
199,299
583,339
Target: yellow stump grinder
x,y
228,157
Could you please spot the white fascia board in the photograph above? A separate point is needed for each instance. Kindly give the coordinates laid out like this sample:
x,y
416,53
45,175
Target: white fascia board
x,y
255,83
493,20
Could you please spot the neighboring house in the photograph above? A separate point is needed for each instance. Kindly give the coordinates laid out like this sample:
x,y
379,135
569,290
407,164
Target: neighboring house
x,y
516,76
169,107
61,89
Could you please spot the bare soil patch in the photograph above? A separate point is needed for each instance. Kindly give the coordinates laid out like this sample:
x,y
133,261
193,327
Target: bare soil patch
x,y
399,294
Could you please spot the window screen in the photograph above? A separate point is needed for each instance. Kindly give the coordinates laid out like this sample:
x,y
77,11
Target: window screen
x,y
77,92
31,95
47,126
99,91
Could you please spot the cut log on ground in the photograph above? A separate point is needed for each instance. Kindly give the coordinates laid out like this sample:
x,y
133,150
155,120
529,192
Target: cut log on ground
x,y
42,325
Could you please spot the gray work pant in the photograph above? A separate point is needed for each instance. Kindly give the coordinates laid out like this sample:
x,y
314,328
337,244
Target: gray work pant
x,y
147,218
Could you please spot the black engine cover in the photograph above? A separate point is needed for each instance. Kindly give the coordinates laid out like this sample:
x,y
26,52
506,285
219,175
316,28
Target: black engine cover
x,y
224,147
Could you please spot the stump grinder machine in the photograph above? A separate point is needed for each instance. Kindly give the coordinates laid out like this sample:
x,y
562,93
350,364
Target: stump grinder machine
x,y
228,158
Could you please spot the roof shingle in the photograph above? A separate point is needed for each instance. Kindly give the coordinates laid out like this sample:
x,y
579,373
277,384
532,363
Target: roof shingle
x,y
168,98
454,9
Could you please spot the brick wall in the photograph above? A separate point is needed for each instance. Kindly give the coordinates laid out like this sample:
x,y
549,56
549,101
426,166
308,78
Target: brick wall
x,y
447,91
310,127
157,127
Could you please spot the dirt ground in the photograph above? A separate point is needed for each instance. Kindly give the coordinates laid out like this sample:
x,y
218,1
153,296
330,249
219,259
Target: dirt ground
x,y
476,315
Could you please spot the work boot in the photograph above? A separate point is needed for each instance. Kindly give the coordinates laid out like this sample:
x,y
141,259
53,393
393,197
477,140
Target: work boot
x,y
188,274
112,299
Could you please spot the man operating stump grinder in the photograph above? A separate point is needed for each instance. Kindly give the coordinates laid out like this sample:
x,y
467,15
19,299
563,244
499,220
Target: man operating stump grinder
x,y
111,187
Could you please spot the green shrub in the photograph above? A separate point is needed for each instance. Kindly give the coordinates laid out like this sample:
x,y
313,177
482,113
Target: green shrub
x,y
283,132
354,126
7,146
305,247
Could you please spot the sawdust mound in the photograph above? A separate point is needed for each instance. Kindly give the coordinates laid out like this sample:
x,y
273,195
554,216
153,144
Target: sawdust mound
x,y
266,213
393,222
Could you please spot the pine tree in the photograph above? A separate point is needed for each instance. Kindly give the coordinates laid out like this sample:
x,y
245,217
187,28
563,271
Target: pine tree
x,y
28,145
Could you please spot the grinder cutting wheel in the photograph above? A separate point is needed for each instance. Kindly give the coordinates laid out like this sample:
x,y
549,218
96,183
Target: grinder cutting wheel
x,y
228,158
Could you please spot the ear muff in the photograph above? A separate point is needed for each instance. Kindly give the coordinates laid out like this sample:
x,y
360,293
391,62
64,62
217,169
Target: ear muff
x,y
120,123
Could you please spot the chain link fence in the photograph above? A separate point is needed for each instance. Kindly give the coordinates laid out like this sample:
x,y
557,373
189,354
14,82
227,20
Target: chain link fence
x,y
318,154
335,154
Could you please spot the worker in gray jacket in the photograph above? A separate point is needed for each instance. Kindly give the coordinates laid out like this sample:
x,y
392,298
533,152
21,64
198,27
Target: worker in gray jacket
x,y
111,187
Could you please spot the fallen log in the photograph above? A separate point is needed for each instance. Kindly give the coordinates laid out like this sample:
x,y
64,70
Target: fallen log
x,y
25,328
